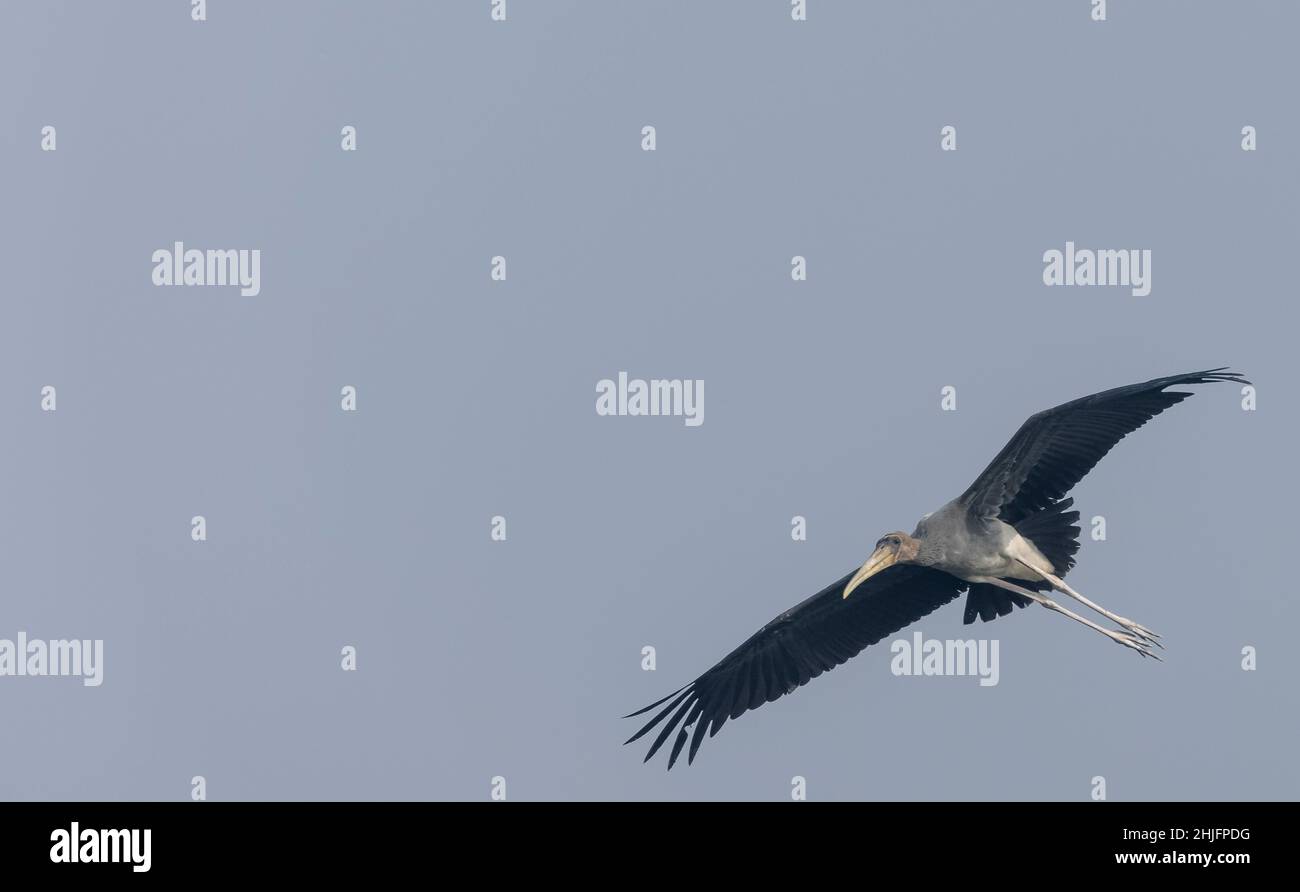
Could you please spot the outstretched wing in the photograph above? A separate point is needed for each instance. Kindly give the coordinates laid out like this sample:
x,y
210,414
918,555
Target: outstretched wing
x,y
799,645
1054,449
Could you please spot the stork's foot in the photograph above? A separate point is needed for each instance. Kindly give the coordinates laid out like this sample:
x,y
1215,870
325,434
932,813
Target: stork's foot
x,y
1136,630
1139,630
1136,642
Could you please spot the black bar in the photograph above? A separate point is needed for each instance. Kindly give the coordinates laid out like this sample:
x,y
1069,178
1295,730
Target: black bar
x,y
371,840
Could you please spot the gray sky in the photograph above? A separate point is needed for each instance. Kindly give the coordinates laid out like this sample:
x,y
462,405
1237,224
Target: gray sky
x,y
476,398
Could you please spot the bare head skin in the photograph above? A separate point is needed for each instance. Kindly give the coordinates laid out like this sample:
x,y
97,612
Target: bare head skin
x,y
893,548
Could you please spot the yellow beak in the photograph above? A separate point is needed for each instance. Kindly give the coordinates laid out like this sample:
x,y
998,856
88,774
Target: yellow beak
x,y
880,559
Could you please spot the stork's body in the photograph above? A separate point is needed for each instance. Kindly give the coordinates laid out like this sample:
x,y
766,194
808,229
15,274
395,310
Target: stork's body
x,y
975,549
986,551
1005,542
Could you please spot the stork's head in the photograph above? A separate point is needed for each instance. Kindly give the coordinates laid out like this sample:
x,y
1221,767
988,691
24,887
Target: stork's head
x,y
893,548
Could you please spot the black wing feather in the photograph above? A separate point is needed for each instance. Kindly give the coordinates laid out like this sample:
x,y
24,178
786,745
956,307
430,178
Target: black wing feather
x,y
1054,449
796,647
